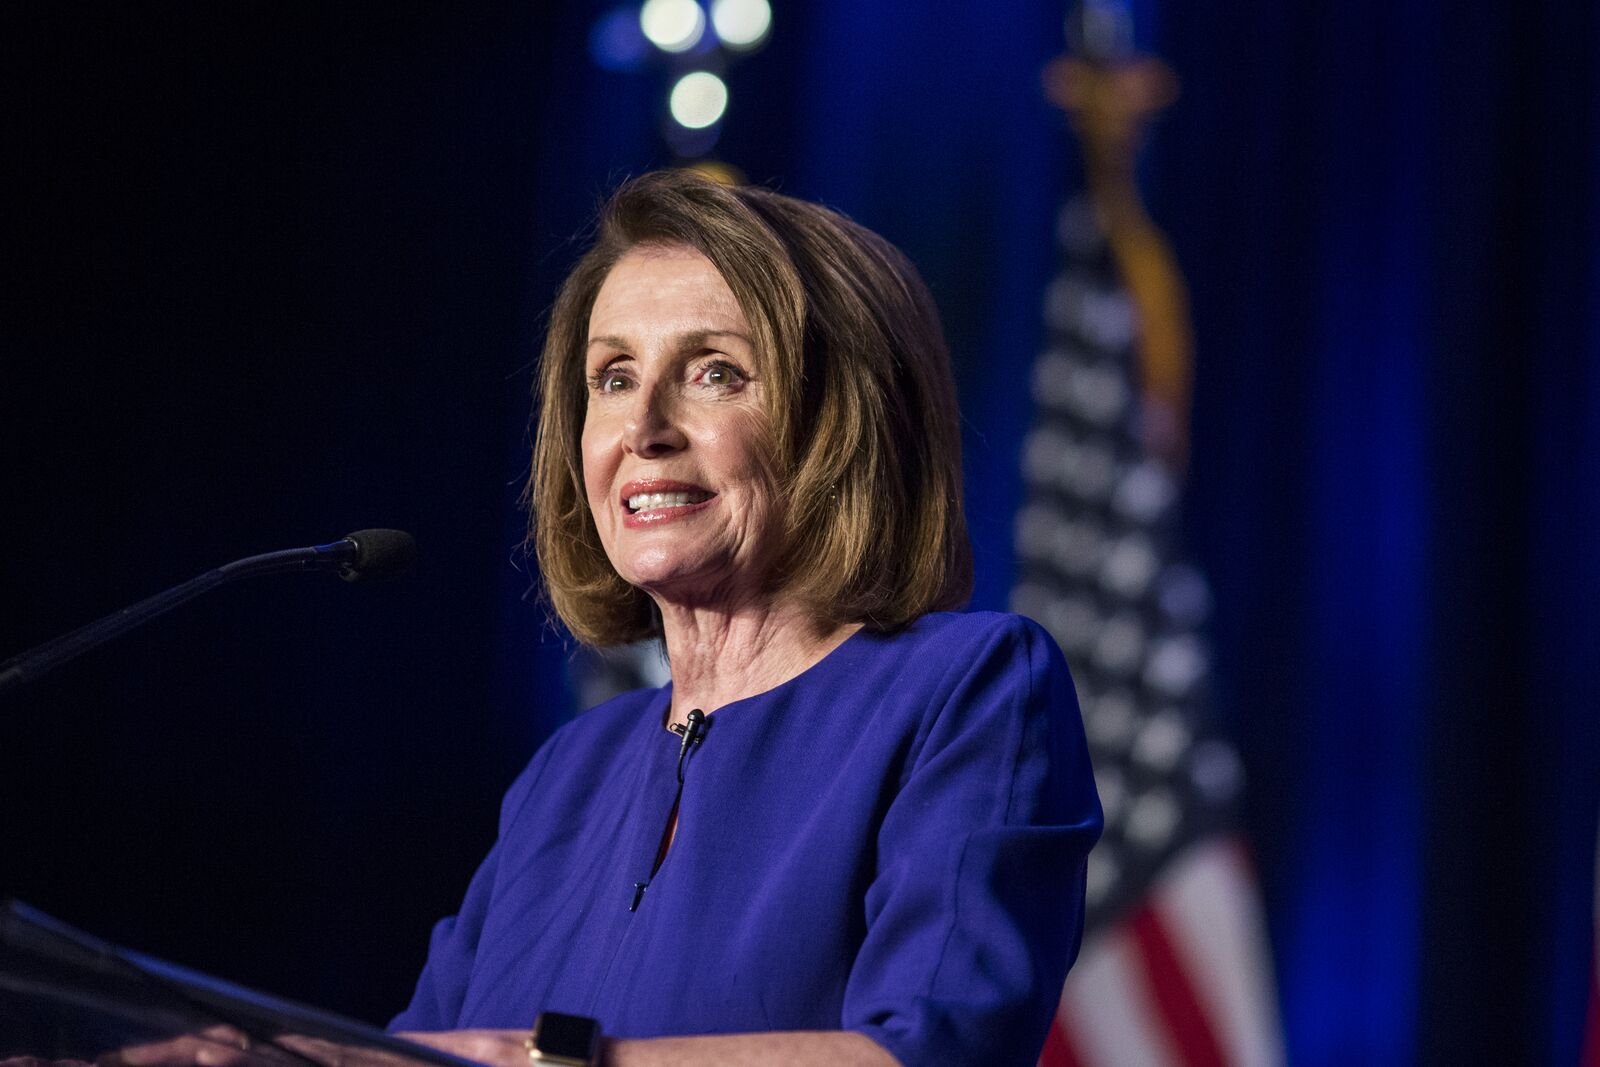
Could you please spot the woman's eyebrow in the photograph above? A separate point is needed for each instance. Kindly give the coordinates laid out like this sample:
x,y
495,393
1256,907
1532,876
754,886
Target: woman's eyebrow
x,y
691,339
697,338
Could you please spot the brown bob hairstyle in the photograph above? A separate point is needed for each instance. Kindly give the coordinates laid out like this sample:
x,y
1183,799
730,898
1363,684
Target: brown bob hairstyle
x,y
864,442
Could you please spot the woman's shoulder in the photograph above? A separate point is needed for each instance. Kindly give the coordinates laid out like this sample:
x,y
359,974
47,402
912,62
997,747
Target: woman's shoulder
x,y
943,654
970,631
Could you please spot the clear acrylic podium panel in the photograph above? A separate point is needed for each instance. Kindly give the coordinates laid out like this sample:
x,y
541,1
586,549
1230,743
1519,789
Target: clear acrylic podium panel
x,y
65,995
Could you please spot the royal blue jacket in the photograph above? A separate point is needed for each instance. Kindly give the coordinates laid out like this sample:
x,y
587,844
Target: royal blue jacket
x,y
891,842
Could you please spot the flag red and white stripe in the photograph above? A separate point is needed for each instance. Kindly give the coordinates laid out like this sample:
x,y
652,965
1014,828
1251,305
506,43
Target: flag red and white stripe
x,y
1184,980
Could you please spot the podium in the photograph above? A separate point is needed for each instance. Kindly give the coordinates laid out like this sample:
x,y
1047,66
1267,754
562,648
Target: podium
x,y
65,995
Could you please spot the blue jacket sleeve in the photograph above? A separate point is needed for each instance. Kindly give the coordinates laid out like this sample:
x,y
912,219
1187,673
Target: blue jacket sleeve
x,y
976,910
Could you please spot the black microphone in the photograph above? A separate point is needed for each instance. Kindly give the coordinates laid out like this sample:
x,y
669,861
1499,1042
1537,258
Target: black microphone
x,y
357,557
693,732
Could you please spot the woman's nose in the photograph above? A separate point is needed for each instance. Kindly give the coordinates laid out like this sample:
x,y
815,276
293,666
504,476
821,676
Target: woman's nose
x,y
651,428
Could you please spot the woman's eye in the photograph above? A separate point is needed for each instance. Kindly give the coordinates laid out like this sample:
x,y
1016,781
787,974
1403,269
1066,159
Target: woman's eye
x,y
609,382
721,374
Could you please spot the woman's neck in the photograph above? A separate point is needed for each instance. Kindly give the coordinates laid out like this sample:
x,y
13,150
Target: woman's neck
x,y
719,656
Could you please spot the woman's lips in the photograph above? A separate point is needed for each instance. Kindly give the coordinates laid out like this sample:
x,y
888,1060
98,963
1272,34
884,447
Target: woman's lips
x,y
652,501
657,515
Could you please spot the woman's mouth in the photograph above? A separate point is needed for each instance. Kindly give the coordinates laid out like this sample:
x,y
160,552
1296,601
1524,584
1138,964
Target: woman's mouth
x,y
653,501
656,501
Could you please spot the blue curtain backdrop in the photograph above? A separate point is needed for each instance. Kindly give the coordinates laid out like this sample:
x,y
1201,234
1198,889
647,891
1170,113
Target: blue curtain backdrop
x,y
279,272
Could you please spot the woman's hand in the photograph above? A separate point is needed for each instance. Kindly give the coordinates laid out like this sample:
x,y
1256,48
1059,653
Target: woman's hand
x,y
215,1046
830,1048
226,1046
499,1048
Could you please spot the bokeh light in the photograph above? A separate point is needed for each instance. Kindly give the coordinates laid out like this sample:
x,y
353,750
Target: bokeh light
x,y
741,24
698,100
672,25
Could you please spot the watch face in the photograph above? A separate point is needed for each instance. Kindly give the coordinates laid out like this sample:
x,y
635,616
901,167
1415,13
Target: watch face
x,y
568,1036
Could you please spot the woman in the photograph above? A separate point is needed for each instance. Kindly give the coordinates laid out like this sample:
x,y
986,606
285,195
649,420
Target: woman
x,y
865,841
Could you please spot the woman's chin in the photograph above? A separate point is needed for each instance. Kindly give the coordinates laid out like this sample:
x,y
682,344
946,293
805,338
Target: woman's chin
x,y
696,583
660,577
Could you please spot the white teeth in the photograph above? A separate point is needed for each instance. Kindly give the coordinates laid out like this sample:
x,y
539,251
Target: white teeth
x,y
647,501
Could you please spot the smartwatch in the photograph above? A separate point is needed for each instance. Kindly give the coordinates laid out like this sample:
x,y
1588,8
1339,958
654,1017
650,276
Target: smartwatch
x,y
567,1040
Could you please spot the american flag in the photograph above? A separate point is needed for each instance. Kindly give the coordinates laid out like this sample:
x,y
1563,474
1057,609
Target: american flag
x,y
1175,967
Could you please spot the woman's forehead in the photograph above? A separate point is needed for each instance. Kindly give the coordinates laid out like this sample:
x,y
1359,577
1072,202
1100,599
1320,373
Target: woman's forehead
x,y
655,290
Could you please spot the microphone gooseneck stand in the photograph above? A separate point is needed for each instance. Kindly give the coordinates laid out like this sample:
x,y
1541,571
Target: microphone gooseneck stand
x,y
361,556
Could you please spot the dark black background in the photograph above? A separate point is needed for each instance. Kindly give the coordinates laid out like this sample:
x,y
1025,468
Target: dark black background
x,y
270,277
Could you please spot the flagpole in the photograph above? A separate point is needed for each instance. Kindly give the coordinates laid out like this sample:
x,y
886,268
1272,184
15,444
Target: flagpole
x,y
1111,101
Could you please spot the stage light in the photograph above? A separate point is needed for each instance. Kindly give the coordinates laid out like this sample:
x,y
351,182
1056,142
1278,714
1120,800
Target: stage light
x,y
672,25
698,100
742,24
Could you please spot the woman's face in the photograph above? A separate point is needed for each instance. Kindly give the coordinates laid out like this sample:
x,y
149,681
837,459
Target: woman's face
x,y
673,431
